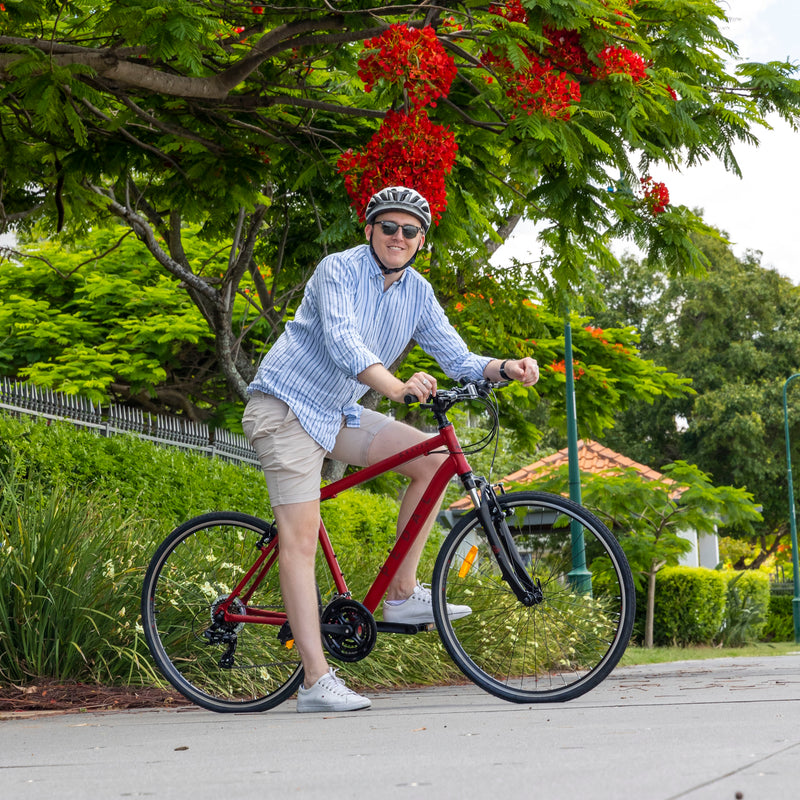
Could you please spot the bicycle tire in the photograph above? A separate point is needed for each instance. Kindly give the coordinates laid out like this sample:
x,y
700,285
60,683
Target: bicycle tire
x,y
199,563
552,651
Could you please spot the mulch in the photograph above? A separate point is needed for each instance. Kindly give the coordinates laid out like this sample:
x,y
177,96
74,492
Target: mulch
x,y
49,695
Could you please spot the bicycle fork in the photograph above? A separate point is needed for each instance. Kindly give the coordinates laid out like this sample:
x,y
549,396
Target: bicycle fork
x,y
493,520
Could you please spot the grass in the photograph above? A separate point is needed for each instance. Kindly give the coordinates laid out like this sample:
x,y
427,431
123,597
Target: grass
x,y
660,655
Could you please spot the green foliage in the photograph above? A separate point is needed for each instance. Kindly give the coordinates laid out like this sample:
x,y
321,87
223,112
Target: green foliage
x,y
779,626
735,331
163,484
70,578
100,319
690,605
746,608
212,121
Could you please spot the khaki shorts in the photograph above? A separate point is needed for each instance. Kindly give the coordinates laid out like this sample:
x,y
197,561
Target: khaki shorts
x,y
290,458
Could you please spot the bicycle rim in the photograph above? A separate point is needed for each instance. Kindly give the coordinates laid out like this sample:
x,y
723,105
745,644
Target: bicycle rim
x,y
194,569
559,648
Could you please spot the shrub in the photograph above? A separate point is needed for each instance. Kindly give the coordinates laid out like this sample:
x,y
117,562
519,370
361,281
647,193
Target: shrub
x,y
779,626
163,483
746,607
689,605
70,577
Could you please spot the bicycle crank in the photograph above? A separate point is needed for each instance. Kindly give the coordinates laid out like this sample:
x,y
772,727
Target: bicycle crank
x,y
349,631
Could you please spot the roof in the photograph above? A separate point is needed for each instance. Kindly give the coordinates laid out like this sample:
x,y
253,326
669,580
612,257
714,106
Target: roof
x,y
592,457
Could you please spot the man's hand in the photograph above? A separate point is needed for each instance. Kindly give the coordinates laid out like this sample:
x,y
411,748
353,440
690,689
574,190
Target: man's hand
x,y
525,370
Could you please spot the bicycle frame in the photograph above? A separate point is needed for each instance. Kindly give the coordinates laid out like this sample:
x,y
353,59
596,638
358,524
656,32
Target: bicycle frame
x,y
455,464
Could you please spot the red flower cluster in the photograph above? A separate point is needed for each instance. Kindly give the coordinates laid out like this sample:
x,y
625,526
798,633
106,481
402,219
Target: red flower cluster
x,y
407,150
411,56
511,10
566,51
656,195
539,87
620,61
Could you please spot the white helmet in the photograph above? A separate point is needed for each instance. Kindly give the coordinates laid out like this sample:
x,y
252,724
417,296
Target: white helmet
x,y
399,198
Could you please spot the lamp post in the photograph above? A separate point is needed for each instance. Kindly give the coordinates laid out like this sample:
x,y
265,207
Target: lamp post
x,y
792,520
579,576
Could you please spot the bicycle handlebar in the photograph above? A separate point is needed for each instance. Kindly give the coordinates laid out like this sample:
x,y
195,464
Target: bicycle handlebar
x,y
469,390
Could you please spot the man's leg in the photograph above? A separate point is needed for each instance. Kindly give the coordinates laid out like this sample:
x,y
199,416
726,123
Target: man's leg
x,y
389,440
298,529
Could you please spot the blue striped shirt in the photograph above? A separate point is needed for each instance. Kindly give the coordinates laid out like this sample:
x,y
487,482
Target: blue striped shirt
x,y
345,323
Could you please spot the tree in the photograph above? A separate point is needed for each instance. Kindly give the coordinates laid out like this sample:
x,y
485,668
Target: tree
x,y
99,318
246,122
648,516
735,332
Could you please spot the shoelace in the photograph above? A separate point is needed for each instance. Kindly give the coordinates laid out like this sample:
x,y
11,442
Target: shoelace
x,y
336,684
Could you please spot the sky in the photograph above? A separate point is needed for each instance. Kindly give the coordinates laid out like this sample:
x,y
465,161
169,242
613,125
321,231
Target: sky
x,y
760,210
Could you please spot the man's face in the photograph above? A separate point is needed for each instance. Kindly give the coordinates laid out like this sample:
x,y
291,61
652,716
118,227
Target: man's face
x,y
394,250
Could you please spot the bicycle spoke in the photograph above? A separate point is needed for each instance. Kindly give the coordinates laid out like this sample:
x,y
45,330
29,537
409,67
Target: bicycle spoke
x,y
552,650
224,666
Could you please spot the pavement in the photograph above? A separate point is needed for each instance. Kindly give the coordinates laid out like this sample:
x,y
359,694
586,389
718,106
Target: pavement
x,y
722,729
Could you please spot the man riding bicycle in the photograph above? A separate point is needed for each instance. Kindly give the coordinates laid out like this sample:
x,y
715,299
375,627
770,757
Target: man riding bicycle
x,y
360,309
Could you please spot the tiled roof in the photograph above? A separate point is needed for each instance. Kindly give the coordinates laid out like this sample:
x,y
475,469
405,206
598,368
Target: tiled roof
x,y
592,457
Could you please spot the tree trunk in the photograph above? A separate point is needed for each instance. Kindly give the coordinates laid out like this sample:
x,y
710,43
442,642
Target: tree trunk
x,y
651,602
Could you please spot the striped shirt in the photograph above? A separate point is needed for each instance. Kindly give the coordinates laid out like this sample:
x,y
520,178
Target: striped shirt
x,y
345,323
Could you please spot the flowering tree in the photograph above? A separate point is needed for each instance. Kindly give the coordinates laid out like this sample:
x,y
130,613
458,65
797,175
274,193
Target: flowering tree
x,y
265,127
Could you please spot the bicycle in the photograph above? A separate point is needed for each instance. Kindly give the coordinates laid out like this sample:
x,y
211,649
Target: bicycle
x,y
550,589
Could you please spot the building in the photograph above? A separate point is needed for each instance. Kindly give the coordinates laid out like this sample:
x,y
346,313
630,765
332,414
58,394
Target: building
x,y
595,458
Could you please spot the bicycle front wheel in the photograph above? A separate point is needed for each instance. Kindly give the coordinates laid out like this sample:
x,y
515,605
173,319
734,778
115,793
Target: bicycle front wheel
x,y
233,666
566,643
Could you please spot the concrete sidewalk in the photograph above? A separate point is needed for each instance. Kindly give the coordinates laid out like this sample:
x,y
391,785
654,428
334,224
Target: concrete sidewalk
x,y
706,730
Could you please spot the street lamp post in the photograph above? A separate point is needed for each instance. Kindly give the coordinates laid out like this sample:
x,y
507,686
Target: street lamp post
x,y
792,519
580,576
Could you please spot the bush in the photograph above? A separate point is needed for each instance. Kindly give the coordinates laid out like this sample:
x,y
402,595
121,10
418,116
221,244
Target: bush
x,y
779,626
80,517
163,483
70,578
689,605
746,608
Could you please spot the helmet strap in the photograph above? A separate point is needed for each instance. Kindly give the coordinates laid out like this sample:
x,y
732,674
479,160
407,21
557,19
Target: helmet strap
x,y
387,270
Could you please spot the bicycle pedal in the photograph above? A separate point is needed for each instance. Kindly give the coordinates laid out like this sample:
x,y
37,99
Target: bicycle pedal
x,y
399,627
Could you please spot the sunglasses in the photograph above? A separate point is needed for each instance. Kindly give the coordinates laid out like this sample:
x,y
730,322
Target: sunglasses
x,y
389,228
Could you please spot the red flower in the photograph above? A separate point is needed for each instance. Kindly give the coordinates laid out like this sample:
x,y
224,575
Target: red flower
x,y
620,61
257,9
407,150
511,10
656,195
412,57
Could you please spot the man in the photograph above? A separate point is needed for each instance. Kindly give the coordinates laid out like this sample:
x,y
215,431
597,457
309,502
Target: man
x,y
360,309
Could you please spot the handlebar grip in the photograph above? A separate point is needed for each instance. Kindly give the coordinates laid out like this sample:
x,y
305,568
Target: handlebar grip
x,y
410,398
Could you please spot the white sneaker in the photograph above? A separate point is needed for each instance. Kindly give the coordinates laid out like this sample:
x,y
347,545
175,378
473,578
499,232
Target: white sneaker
x,y
418,609
330,694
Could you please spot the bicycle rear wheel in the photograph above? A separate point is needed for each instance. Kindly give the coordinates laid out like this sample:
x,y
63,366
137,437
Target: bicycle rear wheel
x,y
560,647
225,666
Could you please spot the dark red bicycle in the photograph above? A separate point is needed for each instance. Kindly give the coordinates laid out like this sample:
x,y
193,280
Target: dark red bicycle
x,y
551,592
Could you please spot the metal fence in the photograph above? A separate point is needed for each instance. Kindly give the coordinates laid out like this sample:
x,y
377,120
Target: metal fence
x,y
25,398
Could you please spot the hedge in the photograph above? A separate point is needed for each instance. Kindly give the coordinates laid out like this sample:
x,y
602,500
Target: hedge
x,y
689,605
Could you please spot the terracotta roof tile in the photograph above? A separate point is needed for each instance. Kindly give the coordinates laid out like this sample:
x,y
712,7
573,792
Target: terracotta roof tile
x,y
592,457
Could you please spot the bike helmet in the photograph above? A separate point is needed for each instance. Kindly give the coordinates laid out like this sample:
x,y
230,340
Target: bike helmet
x,y
399,198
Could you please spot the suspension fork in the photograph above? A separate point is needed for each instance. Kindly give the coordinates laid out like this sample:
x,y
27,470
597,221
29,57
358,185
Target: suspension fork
x,y
493,521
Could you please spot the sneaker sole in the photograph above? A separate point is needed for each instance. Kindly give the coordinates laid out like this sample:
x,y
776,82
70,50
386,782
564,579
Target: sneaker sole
x,y
317,708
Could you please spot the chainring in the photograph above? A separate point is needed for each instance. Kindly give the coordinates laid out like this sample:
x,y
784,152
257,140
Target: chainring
x,y
358,642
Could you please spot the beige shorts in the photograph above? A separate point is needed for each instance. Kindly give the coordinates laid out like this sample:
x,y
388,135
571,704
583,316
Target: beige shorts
x,y
290,458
